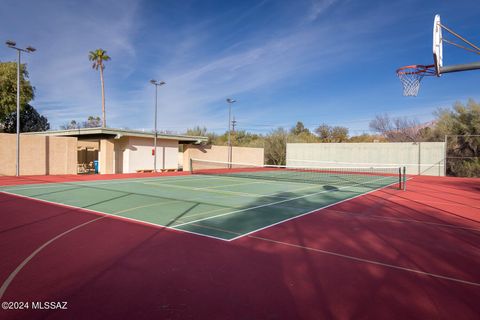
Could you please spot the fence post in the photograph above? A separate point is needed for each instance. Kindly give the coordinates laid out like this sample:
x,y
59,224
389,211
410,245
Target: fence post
x,y
445,156
419,159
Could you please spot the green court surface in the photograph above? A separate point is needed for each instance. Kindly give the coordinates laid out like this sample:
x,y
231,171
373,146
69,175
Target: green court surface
x,y
223,207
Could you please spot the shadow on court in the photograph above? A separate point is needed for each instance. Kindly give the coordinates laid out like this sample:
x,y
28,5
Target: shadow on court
x,y
115,269
387,254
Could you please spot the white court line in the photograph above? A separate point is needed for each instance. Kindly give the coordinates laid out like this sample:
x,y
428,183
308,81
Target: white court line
x,y
137,220
112,215
107,182
378,263
256,195
195,199
206,189
14,273
281,201
187,231
93,183
169,202
233,185
148,205
200,213
403,220
311,211
439,202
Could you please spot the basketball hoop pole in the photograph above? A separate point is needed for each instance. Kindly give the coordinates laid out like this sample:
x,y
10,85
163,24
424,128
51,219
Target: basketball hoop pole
x,y
460,67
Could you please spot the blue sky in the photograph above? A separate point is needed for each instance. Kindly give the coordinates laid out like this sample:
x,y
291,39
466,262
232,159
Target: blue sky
x,y
317,61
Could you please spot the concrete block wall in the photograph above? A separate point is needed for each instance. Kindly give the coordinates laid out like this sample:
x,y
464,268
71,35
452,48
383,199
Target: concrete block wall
x,y
39,155
220,153
425,158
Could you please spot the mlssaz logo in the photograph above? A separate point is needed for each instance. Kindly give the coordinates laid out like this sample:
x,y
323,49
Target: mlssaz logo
x,y
50,305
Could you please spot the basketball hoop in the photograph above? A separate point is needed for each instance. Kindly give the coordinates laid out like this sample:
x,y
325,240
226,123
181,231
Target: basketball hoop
x,y
411,76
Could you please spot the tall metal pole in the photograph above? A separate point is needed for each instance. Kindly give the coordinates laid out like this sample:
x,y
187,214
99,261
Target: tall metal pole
x,y
156,84
230,101
229,141
155,138
29,49
419,158
445,156
17,169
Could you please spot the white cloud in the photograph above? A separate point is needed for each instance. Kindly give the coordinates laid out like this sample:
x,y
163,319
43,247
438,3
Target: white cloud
x,y
318,7
63,33
198,77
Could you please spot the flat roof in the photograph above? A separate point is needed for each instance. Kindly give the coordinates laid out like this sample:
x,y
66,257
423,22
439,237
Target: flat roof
x,y
118,133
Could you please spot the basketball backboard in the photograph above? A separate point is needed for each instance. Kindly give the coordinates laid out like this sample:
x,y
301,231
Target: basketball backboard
x,y
437,45
412,75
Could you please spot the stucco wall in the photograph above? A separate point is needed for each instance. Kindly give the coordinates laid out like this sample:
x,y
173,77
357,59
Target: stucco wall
x,y
106,156
426,158
220,153
39,155
137,154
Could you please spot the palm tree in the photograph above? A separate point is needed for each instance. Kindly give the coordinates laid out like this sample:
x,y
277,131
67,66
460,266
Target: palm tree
x,y
98,57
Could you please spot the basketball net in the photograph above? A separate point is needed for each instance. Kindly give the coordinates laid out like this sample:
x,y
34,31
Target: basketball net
x,y
411,76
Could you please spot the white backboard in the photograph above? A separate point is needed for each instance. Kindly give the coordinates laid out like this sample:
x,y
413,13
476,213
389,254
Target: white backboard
x,y
437,44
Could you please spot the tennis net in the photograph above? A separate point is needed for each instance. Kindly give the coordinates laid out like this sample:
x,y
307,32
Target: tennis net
x,y
373,177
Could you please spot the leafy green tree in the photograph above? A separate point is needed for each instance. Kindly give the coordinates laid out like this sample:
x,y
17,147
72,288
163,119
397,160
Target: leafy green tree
x,y
220,139
323,132
70,125
460,120
339,134
366,138
30,121
202,132
328,133
299,129
98,57
303,137
8,88
300,134
92,122
197,131
246,139
462,125
276,147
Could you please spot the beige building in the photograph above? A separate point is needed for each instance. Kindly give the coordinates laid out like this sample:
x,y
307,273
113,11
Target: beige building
x,y
123,151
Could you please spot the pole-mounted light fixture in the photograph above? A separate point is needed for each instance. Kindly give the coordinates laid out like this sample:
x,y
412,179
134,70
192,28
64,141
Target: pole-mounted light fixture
x,y
230,101
156,83
13,45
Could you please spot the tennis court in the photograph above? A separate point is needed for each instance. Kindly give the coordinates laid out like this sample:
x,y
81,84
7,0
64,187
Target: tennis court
x,y
220,200
164,248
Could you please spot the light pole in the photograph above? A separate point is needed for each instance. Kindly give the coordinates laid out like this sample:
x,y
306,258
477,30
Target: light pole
x,y
156,83
29,49
230,101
